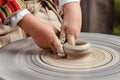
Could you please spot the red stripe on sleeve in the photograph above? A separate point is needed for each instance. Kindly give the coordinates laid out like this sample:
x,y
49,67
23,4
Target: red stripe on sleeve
x,y
13,5
10,7
17,5
2,16
2,2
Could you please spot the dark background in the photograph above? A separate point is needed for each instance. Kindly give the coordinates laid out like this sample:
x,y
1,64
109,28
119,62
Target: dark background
x,y
117,18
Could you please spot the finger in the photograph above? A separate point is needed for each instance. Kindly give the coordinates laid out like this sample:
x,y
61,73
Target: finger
x,y
56,43
71,39
59,48
53,50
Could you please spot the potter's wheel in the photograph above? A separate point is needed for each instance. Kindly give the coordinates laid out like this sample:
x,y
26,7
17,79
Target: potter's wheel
x,y
23,60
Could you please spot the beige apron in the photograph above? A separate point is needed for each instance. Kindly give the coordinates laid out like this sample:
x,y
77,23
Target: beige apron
x,y
45,10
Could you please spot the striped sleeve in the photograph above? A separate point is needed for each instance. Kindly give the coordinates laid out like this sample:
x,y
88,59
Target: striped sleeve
x,y
8,7
2,2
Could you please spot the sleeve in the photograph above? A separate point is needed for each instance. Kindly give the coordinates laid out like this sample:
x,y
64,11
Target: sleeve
x,y
16,17
63,2
2,2
9,7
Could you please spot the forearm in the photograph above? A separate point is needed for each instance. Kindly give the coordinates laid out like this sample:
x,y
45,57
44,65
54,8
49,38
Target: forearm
x,y
63,2
69,7
30,24
73,11
72,21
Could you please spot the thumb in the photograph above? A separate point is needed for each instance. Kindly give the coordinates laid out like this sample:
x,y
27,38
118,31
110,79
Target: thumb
x,y
57,44
59,48
71,39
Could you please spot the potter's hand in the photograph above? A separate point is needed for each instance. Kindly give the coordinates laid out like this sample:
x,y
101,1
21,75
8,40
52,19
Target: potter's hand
x,y
71,21
44,35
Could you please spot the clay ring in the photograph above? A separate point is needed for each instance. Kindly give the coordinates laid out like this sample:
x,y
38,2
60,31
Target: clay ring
x,y
80,47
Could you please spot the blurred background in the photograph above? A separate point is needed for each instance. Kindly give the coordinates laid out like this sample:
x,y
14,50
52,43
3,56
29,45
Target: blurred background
x,y
101,16
117,18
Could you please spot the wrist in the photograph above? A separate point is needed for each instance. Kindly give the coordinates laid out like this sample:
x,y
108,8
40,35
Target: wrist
x,y
29,24
72,7
16,17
